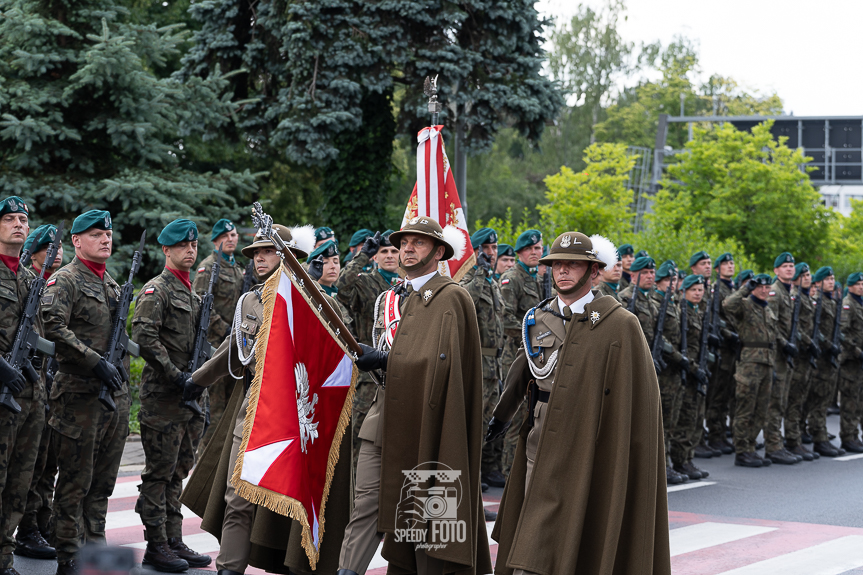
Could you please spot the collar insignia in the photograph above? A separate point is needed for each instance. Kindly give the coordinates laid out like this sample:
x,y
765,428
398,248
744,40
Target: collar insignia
x,y
594,317
427,294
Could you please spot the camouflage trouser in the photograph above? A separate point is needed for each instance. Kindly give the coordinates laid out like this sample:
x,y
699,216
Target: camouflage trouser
x,y
510,439
851,400
720,395
688,429
19,445
363,397
170,433
672,396
89,441
798,391
777,405
821,392
41,494
751,397
491,451
218,395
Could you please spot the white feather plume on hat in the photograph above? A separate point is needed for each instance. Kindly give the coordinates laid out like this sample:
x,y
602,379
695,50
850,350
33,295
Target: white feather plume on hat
x,y
303,237
605,250
456,239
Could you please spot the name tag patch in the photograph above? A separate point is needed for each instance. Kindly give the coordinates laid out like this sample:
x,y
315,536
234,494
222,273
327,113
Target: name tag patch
x,y
47,299
542,335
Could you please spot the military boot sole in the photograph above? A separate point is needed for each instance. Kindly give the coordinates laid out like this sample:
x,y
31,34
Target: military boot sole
x,y
46,553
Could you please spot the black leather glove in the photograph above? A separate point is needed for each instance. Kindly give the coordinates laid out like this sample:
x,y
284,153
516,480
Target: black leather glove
x,y
109,374
751,284
701,376
372,358
684,362
191,390
10,376
733,338
496,428
372,245
712,340
316,268
813,349
790,349
483,261
834,350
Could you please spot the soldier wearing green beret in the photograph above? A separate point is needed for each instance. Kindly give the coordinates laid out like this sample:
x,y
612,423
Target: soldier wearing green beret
x,y
77,311
743,277
521,291
627,256
749,309
164,325
226,292
324,266
358,291
644,270
356,244
825,374
851,360
782,304
488,301
505,260
323,235
608,280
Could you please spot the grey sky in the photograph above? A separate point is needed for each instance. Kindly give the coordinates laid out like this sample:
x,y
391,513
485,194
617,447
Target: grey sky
x,y
808,52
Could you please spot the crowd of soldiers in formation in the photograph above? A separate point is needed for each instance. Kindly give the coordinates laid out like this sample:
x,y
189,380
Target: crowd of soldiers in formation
x,y
737,354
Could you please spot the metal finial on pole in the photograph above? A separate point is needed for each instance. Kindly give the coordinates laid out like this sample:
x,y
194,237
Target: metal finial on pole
x,y
430,90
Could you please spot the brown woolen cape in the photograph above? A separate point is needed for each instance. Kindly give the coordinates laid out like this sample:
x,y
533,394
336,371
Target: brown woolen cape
x,y
433,412
597,501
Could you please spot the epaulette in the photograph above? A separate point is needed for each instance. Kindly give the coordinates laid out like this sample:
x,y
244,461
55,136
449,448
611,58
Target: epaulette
x,y
530,320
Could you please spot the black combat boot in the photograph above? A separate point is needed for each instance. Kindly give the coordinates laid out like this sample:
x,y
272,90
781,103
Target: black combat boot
x,y
797,458
30,543
825,448
494,479
801,451
704,452
672,477
162,558
690,465
723,446
193,558
853,446
688,470
229,572
748,459
489,515
67,568
345,572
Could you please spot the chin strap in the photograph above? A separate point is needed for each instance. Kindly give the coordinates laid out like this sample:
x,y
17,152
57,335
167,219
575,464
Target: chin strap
x,y
574,288
423,262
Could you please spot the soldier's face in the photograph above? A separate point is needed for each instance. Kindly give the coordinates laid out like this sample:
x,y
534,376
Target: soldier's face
x,y
181,256
828,284
726,270
504,263
761,292
93,245
663,284
627,261
695,294
804,280
491,251
39,258
856,289
228,241
702,267
266,260
612,274
530,255
388,259
785,272
332,267
647,278
415,248
14,229
567,273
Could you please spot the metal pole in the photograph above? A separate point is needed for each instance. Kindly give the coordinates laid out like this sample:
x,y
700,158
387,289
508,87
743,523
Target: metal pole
x,y
460,168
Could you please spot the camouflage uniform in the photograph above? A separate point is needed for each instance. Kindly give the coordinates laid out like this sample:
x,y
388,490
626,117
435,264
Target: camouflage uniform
x,y
488,301
754,374
521,291
357,291
782,304
164,325
605,288
625,281
720,391
76,311
850,385
686,430
645,310
226,292
824,374
669,378
798,390
19,433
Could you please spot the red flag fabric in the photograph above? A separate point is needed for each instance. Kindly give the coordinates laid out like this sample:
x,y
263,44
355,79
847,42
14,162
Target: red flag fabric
x,y
436,196
299,408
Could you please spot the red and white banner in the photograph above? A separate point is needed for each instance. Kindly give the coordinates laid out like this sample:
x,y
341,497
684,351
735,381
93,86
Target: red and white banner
x,y
299,408
436,196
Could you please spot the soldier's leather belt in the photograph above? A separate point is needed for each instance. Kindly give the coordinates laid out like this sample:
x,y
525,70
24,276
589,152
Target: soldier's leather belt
x,y
492,351
542,396
758,344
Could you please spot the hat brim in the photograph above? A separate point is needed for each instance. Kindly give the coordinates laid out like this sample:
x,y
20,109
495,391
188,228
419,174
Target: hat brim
x,y
550,259
249,251
396,240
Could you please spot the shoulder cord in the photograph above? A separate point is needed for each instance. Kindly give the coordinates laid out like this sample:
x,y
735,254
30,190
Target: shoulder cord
x,y
235,333
538,372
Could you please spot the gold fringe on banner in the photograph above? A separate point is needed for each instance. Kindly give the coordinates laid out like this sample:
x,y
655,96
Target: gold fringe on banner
x,y
278,502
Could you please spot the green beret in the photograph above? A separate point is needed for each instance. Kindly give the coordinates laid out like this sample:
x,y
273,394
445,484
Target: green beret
x,y
544,251
222,226
783,258
99,219
39,238
697,257
800,268
672,263
180,230
822,274
854,278
744,276
505,250
385,239
763,279
527,239
13,205
327,249
359,237
348,257
665,270
642,254
323,233
642,263
726,257
625,250
483,236
681,274
692,280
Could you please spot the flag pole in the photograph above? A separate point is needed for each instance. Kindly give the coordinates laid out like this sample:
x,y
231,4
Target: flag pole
x,y
264,223
430,90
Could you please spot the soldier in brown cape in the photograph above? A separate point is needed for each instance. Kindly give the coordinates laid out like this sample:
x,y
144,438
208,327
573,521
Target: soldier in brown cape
x,y
431,420
597,421
250,534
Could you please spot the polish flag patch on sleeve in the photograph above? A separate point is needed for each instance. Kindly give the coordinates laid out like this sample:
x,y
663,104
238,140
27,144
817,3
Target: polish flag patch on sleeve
x,y
504,282
201,270
846,307
50,283
150,290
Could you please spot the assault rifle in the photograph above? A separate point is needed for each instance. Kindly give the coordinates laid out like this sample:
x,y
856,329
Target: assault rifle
x,y
119,345
684,327
27,341
795,322
656,349
816,333
703,351
716,322
631,306
837,335
203,350
249,276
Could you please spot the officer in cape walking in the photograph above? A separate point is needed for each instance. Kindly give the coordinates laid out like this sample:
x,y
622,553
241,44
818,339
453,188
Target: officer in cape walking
x,y
164,326
77,311
250,534
587,373
851,361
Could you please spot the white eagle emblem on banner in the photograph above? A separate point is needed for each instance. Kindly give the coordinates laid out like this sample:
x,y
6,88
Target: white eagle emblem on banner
x,y
305,408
